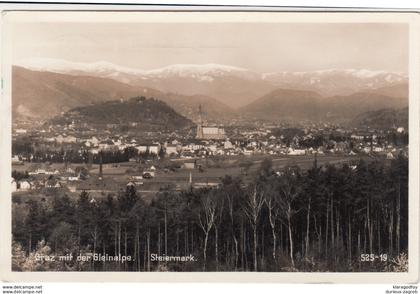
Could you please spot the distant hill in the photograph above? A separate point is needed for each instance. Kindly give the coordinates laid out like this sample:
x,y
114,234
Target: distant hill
x,y
382,119
148,113
351,105
289,104
44,94
212,109
283,104
397,90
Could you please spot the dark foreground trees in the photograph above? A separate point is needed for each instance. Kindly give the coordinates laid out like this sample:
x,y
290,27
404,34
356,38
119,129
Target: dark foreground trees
x,y
321,219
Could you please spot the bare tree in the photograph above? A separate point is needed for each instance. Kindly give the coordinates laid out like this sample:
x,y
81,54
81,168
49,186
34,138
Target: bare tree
x,y
289,190
230,202
207,218
217,223
252,209
273,213
232,194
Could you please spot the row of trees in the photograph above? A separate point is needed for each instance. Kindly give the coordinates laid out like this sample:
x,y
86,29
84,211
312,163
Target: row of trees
x,y
297,136
85,156
321,219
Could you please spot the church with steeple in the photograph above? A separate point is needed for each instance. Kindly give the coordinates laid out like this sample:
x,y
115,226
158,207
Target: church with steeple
x,y
205,132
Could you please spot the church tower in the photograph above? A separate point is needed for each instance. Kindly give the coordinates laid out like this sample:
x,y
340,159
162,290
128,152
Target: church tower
x,y
200,123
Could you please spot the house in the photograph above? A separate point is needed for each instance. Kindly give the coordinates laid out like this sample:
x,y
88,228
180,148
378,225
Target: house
x,y
228,145
15,159
366,149
94,151
106,145
21,131
94,141
24,185
357,137
193,147
187,154
14,185
122,147
378,149
72,188
390,156
171,149
88,144
46,139
117,142
141,149
292,151
73,178
212,148
340,146
70,170
248,151
200,185
52,183
154,149
189,165
70,139
59,139
219,152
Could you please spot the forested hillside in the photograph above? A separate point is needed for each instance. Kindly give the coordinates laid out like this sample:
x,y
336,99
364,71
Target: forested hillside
x,y
148,113
322,219
382,119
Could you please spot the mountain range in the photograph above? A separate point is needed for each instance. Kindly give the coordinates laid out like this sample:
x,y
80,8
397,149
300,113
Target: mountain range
x,y
233,86
46,87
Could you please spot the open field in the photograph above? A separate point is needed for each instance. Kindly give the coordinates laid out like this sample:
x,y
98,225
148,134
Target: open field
x,y
215,173
116,176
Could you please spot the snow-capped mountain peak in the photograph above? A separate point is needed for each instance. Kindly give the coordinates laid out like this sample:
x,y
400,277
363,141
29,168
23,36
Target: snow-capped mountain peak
x,y
64,66
202,72
196,68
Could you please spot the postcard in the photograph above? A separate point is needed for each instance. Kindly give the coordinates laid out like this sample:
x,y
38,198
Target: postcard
x,y
200,146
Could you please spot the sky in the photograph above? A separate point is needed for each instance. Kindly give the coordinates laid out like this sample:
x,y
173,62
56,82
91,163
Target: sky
x,y
261,47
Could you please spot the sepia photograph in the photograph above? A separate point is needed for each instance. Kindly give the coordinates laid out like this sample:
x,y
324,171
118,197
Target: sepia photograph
x,y
153,144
